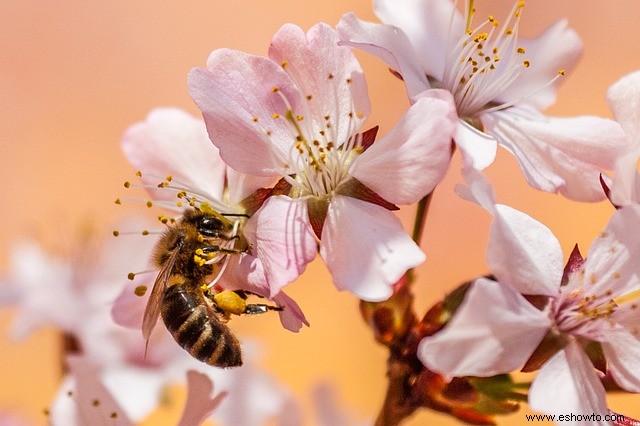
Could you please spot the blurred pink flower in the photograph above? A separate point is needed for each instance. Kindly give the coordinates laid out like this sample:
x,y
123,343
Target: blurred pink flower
x,y
172,143
296,116
495,330
84,399
499,83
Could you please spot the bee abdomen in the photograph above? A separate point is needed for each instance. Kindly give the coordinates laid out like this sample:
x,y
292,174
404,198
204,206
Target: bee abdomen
x,y
196,327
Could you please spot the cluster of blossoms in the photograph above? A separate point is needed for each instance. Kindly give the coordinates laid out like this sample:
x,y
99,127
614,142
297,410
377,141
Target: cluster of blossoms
x,y
282,155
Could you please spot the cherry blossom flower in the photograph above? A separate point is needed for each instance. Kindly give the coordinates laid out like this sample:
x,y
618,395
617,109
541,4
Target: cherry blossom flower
x,y
499,83
172,143
84,398
496,329
624,100
59,288
295,116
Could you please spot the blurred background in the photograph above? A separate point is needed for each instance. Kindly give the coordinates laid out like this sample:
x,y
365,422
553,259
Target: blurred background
x,y
75,74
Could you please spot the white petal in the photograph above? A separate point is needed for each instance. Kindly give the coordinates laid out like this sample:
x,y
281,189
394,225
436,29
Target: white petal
x,y
612,264
622,352
524,253
365,248
429,24
567,383
624,100
479,190
563,155
478,150
494,331
408,162
388,43
625,186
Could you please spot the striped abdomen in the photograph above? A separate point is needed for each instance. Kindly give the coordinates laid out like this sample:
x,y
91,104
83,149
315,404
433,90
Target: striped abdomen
x,y
196,327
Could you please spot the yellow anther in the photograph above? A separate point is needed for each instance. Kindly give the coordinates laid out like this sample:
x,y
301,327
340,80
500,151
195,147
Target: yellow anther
x,y
268,132
521,50
349,81
321,132
283,64
199,252
494,50
163,219
359,115
169,178
616,275
309,97
145,232
181,194
200,238
496,58
149,204
116,233
299,118
127,184
179,204
275,115
521,4
275,89
509,31
526,64
131,276
139,173
561,72
330,76
255,118
118,201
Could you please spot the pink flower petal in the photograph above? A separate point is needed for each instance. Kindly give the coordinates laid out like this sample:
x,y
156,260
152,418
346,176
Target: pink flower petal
x,y
389,44
557,48
365,248
247,273
625,186
171,142
563,155
200,403
611,266
407,163
326,72
622,352
524,253
128,309
429,24
493,331
89,388
241,185
238,103
624,100
567,383
284,241
478,150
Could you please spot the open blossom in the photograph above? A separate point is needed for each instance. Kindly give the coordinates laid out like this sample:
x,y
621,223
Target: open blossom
x,y
499,83
624,100
172,143
295,116
496,329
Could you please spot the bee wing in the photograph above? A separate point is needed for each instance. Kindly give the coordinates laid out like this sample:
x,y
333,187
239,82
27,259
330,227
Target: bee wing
x,y
152,311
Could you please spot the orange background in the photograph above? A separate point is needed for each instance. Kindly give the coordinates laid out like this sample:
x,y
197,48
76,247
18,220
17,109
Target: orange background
x,y
75,74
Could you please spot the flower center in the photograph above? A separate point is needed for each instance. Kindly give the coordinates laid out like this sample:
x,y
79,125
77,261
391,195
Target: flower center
x,y
485,61
318,162
579,313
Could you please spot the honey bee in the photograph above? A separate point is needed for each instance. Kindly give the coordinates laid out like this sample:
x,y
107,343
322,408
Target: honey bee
x,y
194,314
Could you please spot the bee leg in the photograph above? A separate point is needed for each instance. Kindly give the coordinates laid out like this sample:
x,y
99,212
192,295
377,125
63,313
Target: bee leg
x,y
218,249
259,308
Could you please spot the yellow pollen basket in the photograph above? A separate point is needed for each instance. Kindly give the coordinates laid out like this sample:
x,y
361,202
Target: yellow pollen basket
x,y
230,303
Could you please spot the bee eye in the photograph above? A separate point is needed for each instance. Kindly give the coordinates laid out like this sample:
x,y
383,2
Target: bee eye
x,y
209,226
